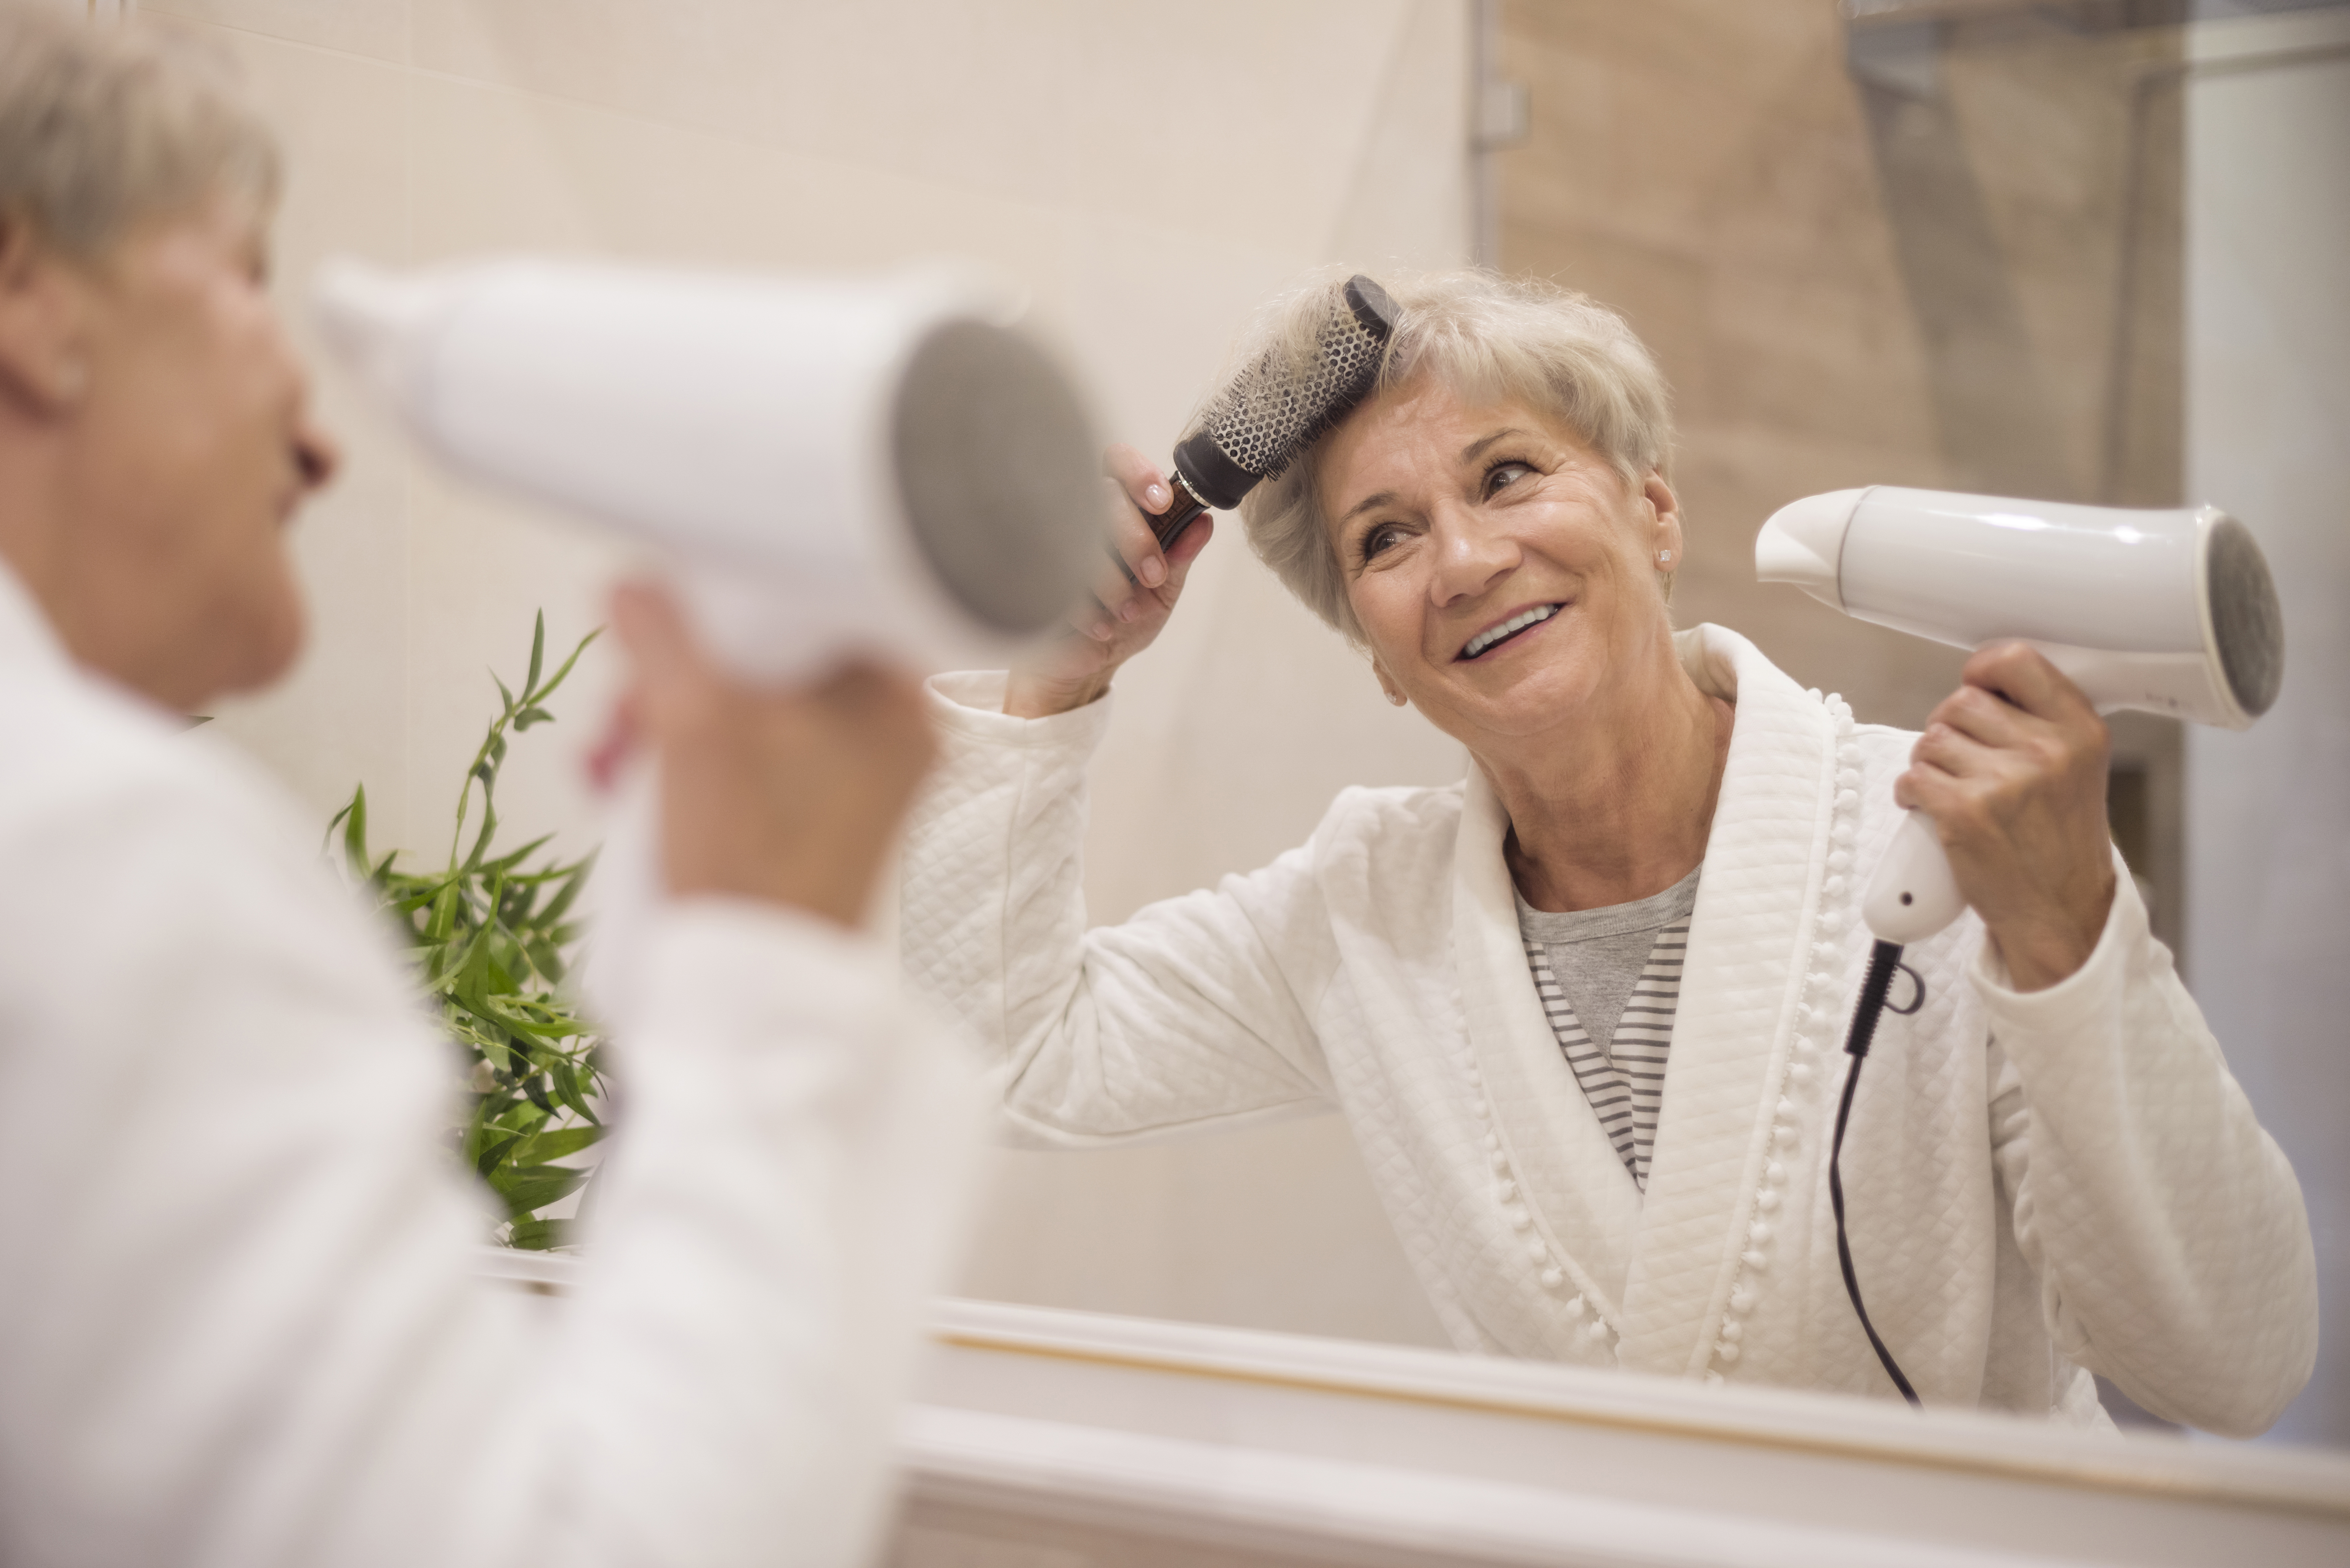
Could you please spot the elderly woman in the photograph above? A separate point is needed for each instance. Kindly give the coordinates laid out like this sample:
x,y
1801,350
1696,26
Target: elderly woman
x,y
241,1315
1582,1009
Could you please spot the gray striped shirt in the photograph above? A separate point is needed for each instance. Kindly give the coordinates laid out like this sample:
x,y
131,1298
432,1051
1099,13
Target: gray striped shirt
x,y
1610,980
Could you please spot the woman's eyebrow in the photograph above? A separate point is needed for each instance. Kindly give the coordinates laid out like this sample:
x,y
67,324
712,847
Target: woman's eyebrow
x,y
1468,453
1377,498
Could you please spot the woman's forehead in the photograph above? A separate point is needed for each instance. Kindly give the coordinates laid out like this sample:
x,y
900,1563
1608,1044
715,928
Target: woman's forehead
x,y
1427,424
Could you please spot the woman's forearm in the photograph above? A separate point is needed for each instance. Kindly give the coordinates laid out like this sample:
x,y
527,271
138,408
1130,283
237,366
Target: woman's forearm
x,y
1184,1015
2169,1230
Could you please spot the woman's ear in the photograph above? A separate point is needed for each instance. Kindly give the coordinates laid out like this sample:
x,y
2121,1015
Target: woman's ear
x,y
1664,511
1665,524
44,366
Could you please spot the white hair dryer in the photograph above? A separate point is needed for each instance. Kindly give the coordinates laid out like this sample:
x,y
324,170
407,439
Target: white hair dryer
x,y
875,465
2172,612
828,467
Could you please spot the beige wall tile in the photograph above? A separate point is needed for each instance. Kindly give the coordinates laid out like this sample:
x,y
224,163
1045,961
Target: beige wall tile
x,y
1230,115
376,28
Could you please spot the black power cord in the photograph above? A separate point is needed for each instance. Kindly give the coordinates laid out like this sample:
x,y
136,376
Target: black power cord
x,y
1883,959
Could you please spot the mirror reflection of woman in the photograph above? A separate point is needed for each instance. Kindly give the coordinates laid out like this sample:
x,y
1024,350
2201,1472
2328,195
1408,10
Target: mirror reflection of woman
x,y
1582,1010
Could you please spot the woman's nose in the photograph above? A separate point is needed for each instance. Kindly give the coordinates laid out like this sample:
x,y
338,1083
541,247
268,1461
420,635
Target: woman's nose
x,y
1470,556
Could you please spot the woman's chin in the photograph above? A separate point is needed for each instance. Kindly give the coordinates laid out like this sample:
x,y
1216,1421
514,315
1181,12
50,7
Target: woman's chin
x,y
1503,702
248,651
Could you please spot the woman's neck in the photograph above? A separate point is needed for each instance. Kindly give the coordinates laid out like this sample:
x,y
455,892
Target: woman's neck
x,y
1594,822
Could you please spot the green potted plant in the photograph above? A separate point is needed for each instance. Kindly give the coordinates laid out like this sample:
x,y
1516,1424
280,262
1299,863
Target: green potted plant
x,y
491,937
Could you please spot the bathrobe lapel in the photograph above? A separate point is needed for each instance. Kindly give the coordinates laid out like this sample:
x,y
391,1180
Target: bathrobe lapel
x,y
1581,1198
1749,938
1662,1270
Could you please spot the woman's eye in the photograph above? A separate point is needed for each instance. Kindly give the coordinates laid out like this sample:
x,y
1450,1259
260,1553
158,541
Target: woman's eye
x,y
1502,475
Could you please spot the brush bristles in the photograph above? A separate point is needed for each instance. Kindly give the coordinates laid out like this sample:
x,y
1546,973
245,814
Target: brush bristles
x,y
1274,410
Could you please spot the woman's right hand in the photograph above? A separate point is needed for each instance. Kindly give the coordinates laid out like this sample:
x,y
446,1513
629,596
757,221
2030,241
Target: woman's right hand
x,y
792,795
1121,619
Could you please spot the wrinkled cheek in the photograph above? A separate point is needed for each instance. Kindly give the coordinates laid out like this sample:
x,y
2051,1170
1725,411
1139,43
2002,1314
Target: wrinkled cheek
x,y
1395,636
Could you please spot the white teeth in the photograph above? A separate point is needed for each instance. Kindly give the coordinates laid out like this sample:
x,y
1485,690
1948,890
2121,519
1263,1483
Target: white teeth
x,y
1517,623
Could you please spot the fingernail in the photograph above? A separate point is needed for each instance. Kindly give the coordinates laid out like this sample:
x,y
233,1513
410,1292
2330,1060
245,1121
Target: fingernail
x,y
1158,493
1153,572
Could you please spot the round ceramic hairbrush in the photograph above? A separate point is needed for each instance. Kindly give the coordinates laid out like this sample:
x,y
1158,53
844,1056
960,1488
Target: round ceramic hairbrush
x,y
1275,408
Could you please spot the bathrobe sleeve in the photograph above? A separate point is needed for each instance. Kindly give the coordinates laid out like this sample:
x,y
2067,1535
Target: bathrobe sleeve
x,y
2167,1228
1195,1013
240,1317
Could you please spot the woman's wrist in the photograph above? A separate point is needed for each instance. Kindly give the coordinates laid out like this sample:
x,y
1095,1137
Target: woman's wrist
x,y
1036,696
2039,953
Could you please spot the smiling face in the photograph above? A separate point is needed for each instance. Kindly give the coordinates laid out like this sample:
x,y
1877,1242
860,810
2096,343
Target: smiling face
x,y
186,457
1505,575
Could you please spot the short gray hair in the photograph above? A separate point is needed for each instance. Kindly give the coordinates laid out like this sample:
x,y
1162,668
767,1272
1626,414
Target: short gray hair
x,y
103,127
1487,337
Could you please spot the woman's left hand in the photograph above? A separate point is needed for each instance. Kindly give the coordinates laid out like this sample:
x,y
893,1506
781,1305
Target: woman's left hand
x,y
2011,768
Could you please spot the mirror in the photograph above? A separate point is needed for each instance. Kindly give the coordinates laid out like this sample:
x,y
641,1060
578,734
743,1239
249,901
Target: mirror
x,y
1982,246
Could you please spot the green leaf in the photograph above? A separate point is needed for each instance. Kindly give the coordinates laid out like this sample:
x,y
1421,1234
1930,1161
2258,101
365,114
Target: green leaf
x,y
508,861
469,1148
546,960
520,1117
526,1190
548,690
543,1147
497,1151
489,831
566,1089
539,1235
355,834
443,924
572,884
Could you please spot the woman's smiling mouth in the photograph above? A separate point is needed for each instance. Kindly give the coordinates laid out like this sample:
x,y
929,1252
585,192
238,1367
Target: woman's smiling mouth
x,y
1494,636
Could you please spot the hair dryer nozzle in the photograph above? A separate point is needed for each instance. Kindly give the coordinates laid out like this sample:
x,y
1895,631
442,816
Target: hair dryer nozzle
x,y
875,465
371,318
1803,544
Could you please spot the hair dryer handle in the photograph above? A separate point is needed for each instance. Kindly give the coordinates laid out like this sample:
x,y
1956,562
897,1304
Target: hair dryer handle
x,y
1913,893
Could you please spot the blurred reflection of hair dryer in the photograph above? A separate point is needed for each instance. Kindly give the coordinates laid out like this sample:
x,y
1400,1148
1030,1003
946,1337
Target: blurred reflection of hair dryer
x,y
828,465
828,468
2172,612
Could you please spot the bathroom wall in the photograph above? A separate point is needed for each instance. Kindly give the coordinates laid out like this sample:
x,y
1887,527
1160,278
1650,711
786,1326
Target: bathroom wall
x,y
1959,271
2268,207
1150,173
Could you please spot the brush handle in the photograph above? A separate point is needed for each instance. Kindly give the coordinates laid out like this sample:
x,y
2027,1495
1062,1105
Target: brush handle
x,y
1167,526
1913,895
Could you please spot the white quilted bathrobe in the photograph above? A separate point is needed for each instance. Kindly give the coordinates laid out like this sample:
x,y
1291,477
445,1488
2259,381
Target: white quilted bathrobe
x,y
2040,1185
